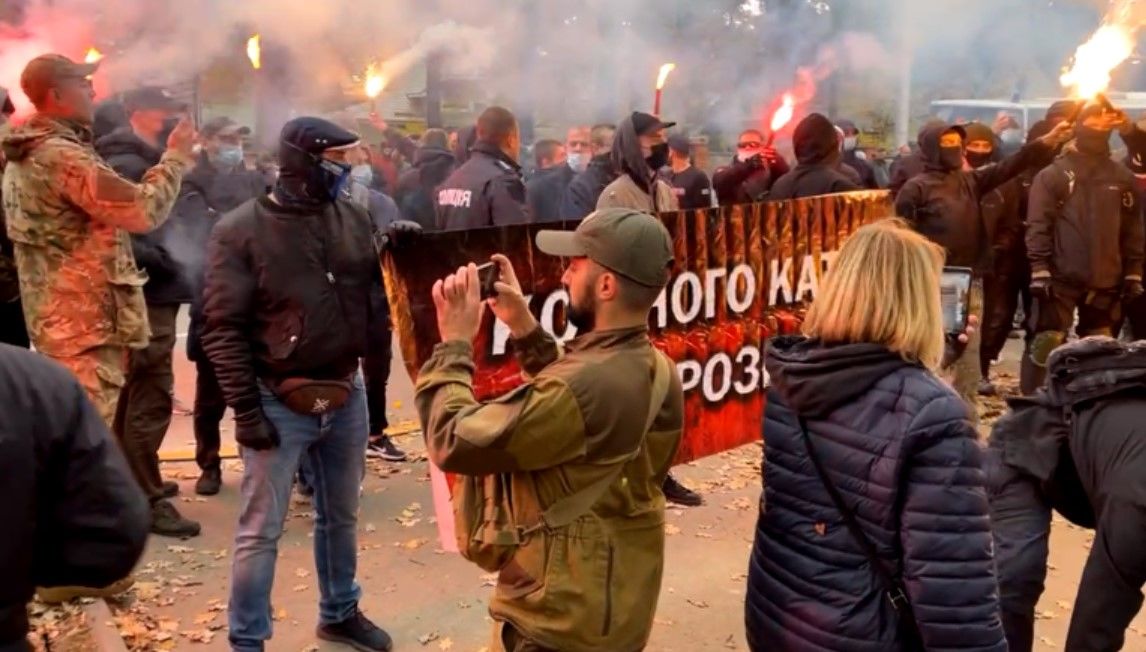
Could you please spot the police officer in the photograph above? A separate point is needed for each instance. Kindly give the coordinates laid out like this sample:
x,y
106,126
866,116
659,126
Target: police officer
x,y
1085,241
487,190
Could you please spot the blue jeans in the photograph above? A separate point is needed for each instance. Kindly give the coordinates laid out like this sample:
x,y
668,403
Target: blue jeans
x,y
334,446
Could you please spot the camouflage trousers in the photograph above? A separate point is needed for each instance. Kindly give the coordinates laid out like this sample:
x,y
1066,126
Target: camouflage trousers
x,y
101,373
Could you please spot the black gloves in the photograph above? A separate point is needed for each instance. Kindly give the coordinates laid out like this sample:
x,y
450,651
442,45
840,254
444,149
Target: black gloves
x,y
400,234
1132,289
253,430
1041,288
756,162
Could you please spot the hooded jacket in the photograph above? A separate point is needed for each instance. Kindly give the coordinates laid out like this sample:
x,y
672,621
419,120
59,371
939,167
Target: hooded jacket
x,y
73,513
851,159
818,153
68,215
487,190
417,186
585,189
543,193
741,183
943,204
899,446
637,187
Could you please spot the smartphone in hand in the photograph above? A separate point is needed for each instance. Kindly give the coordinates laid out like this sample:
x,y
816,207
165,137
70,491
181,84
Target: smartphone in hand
x,y
488,275
955,298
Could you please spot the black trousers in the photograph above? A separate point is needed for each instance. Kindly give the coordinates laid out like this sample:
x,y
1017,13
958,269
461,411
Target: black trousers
x,y
12,328
1098,314
207,414
376,372
1009,281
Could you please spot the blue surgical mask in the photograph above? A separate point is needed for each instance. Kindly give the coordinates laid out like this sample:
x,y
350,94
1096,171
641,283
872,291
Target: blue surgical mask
x,y
228,156
333,177
576,161
362,174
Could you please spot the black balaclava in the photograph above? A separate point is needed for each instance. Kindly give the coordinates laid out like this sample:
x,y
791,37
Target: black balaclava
x,y
1089,140
306,180
979,131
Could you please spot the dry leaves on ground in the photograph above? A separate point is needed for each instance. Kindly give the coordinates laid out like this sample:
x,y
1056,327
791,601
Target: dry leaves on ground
x,y
426,639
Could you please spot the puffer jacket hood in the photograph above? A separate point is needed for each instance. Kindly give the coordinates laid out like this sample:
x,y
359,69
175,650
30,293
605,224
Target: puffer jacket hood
x,y
929,142
21,140
815,141
124,142
627,157
816,378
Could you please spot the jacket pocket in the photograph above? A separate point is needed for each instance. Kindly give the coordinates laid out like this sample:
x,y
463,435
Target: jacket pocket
x,y
577,581
525,572
284,335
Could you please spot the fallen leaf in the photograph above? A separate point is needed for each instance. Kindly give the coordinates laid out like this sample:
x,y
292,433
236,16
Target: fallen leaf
x,y
445,644
169,625
281,614
180,549
414,544
671,529
426,639
299,588
1046,641
370,527
160,637
699,604
203,619
301,572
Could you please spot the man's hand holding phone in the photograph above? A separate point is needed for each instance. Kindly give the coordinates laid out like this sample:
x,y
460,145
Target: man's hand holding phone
x,y
507,301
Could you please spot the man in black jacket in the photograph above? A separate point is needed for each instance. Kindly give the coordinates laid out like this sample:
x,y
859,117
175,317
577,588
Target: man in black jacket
x,y
852,158
818,153
750,176
691,186
417,187
1085,240
942,203
487,190
544,191
585,189
218,183
1075,447
73,514
12,328
144,411
287,306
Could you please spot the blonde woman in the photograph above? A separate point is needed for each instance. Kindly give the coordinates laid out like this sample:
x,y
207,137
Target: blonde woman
x,y
873,533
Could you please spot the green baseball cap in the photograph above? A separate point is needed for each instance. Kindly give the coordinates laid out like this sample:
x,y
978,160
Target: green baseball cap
x,y
631,243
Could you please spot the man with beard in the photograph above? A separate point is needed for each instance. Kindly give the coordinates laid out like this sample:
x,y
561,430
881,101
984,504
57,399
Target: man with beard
x,y
942,203
287,307
145,407
219,183
818,153
584,445
12,328
417,187
639,152
852,158
585,188
1085,240
690,185
487,190
751,174
544,191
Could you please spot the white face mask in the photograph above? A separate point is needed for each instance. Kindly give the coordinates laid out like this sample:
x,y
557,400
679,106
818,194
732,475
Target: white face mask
x,y
362,174
849,143
576,161
743,155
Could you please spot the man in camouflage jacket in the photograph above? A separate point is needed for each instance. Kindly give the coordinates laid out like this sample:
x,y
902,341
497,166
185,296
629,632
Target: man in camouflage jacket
x,y
69,215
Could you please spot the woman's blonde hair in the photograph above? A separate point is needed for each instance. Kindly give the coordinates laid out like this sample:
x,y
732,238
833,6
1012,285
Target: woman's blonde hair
x,y
883,289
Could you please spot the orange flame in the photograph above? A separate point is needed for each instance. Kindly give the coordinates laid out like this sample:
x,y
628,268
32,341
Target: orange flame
x,y
255,51
784,113
92,55
1094,60
375,82
663,76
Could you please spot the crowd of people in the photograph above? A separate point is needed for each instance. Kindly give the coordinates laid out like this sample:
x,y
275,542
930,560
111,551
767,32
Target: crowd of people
x,y
884,524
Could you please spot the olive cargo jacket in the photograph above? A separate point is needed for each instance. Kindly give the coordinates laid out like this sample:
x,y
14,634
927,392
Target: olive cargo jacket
x,y
594,585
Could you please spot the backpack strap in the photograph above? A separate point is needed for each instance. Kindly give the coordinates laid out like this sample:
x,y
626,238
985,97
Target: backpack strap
x,y
568,509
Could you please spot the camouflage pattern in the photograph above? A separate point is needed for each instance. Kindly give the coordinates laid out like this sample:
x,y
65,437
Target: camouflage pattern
x,y
100,371
69,216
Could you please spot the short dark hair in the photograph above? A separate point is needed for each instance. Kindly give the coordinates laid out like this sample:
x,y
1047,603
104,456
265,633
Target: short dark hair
x,y
495,125
546,150
436,138
601,135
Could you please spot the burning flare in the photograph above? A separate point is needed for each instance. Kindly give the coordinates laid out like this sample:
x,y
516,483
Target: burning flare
x,y
255,51
1094,60
375,82
662,77
784,113
92,55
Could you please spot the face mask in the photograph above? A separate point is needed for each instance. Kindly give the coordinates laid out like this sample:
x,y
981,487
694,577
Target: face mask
x,y
743,155
1092,140
362,174
329,178
576,161
979,159
659,157
1012,137
850,143
951,158
229,156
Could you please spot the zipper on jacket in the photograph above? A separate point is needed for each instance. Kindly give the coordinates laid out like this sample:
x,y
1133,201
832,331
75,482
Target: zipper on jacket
x,y
608,594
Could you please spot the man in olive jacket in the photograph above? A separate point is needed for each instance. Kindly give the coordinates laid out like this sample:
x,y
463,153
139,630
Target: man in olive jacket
x,y
592,585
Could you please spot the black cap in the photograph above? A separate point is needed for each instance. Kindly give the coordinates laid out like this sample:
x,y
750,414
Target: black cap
x,y
680,144
151,98
645,123
223,126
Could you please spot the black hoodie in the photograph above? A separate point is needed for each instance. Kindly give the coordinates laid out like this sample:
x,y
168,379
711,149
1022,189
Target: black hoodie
x,y
417,186
585,189
818,153
899,446
944,205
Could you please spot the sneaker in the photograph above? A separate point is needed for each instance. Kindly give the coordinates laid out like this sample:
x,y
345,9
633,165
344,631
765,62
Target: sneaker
x,y
676,492
383,448
170,489
987,388
166,521
209,482
58,594
357,632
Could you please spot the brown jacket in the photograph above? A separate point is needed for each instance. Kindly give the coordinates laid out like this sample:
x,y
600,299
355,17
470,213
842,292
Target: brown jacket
x,y
594,585
625,193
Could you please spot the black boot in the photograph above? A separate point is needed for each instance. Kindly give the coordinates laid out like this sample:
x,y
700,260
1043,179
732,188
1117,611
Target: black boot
x,y
677,493
166,521
357,632
209,482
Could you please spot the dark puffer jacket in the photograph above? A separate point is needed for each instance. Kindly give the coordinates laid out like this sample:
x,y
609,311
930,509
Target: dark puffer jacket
x,y
901,450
